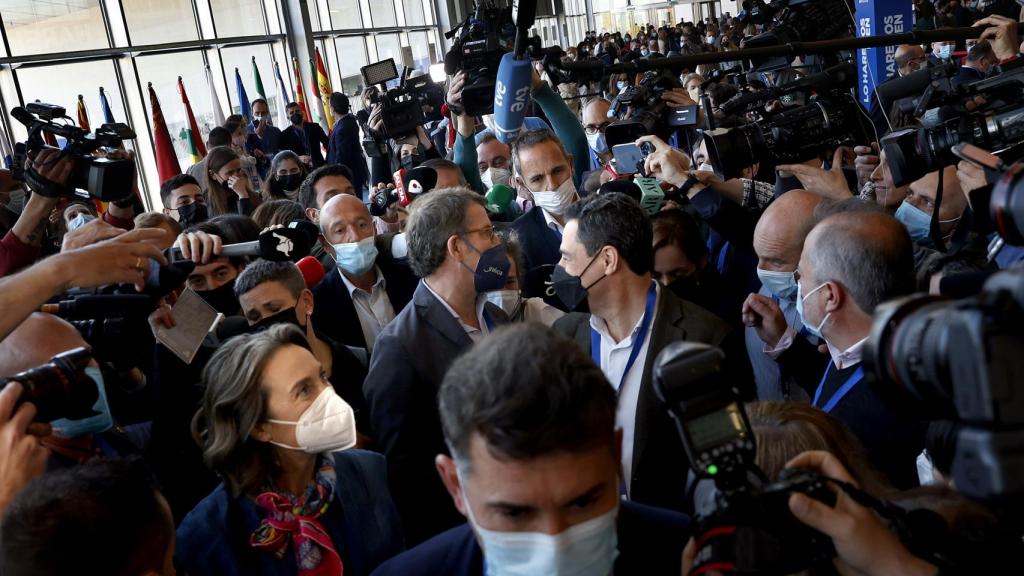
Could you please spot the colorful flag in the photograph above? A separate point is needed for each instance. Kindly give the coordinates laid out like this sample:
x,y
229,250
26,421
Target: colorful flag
x,y
300,98
83,115
319,109
324,83
190,133
108,116
218,112
243,99
256,78
163,148
284,98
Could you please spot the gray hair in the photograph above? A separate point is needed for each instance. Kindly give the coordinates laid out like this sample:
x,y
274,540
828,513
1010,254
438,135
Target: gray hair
x,y
532,138
692,76
435,218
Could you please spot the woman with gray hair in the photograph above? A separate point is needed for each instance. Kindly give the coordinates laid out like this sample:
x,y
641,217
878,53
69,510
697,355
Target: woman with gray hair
x,y
294,499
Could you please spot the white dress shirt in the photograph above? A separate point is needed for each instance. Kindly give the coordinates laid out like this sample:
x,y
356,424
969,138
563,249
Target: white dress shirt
x,y
475,334
373,308
552,223
614,356
849,357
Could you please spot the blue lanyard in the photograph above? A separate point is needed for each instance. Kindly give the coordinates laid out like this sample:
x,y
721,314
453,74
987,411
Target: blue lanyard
x,y
487,320
843,390
638,340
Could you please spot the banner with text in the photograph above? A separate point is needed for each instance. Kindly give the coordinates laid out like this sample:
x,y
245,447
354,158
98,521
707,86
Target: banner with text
x,y
875,18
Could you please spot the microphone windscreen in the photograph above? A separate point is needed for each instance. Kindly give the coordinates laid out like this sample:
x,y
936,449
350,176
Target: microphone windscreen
x,y
312,271
500,196
418,182
511,96
284,244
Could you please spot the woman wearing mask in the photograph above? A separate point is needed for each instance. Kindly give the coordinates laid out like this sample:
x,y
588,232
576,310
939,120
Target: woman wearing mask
x,y
294,499
510,298
228,188
286,174
250,156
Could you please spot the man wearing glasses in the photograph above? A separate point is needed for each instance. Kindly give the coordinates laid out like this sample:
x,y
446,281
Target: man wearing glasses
x,y
458,257
595,122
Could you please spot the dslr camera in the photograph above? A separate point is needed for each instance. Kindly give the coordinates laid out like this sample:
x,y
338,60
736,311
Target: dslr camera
x,y
483,38
104,178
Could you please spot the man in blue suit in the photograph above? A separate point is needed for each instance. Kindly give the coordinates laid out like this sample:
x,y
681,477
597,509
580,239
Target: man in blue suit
x,y
345,146
534,467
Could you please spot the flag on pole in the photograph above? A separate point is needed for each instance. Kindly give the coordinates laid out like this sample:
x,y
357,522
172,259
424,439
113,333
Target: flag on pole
x,y
324,83
190,133
108,116
218,112
321,114
284,98
300,98
166,160
259,81
83,115
243,99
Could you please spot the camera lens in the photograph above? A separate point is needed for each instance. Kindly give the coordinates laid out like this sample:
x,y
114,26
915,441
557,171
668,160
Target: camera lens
x,y
733,149
1006,208
60,388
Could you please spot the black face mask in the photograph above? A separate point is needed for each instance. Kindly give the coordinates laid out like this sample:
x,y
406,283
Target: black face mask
x,y
286,316
222,298
686,288
568,288
289,182
192,214
296,118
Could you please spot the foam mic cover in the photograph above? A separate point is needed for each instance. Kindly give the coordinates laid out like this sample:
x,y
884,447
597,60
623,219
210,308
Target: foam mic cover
x,y
312,271
500,196
511,96
415,183
284,244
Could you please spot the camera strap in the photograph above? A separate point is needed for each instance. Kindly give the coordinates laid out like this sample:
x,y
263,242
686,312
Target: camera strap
x,y
850,383
638,339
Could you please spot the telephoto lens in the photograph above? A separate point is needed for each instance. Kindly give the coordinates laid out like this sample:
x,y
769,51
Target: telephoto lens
x,y
60,388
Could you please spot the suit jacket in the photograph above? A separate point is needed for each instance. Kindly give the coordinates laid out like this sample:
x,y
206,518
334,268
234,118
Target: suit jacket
x,y
409,362
660,464
308,143
650,542
335,315
361,521
345,148
538,242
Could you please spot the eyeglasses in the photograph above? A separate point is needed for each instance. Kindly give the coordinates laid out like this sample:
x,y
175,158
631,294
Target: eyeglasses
x,y
591,129
488,231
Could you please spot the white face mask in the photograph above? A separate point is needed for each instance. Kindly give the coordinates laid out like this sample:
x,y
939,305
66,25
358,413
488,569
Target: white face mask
x,y
507,300
494,176
555,202
586,549
328,425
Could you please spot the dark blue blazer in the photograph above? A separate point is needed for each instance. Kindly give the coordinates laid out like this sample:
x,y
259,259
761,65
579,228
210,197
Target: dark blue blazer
x,y
651,542
538,243
362,522
334,314
345,148
307,143
409,361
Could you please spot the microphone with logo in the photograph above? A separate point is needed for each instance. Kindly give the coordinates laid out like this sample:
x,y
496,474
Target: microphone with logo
x,y
500,200
290,243
415,183
514,83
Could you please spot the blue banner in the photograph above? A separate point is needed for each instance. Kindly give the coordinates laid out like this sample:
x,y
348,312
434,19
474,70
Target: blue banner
x,y
876,18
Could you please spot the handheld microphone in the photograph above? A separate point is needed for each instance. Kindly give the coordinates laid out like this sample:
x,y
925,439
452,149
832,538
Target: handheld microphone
x,y
101,306
381,200
500,199
312,271
278,244
511,96
415,183
651,194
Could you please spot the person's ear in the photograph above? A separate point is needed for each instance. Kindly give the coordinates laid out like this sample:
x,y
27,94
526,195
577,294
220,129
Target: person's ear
x,y
307,302
454,247
610,260
835,297
313,215
261,432
450,478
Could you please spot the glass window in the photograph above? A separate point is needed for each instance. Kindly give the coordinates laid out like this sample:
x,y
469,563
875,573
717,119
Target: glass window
x,y
159,21
241,57
413,12
388,46
163,71
40,27
345,15
83,78
351,57
422,51
383,14
238,18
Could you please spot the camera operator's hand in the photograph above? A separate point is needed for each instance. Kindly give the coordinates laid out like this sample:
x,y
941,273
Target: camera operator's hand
x,y
91,233
122,259
765,316
665,163
828,183
51,167
1002,34
971,177
864,545
22,457
866,162
198,247
239,185
376,119
454,96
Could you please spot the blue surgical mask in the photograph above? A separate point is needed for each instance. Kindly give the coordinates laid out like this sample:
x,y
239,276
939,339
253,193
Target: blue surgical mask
x,y
597,142
945,51
99,422
919,223
80,220
781,284
621,84
815,330
356,258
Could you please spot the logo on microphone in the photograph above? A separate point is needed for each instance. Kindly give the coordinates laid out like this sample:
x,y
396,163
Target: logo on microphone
x,y
415,188
284,244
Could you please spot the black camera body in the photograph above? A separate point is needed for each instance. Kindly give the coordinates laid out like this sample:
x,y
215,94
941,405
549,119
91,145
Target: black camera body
x,y
750,529
642,111
797,21
482,40
60,388
402,106
104,178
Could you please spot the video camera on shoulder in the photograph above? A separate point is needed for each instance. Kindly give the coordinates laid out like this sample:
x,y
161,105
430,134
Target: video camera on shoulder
x,y
483,38
108,179
750,529
401,106
58,389
641,111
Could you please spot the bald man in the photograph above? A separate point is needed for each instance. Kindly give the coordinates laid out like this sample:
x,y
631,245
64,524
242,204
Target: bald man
x,y
909,58
771,313
595,122
917,207
368,287
851,262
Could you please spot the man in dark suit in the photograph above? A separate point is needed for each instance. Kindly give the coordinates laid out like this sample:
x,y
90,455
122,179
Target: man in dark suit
x,y
606,259
453,248
980,59
345,146
530,421
362,294
303,138
543,171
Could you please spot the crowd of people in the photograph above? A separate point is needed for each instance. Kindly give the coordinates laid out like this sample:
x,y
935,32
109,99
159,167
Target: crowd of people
x,y
460,378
